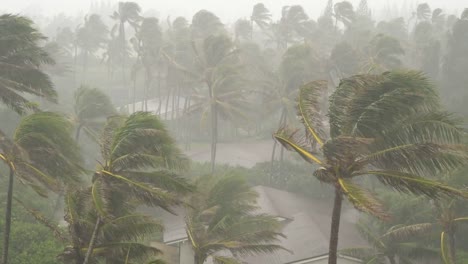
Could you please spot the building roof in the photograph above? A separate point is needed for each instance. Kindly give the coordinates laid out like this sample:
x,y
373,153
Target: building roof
x,y
306,226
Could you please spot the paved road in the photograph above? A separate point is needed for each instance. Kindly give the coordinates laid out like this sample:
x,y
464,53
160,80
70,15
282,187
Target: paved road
x,y
246,153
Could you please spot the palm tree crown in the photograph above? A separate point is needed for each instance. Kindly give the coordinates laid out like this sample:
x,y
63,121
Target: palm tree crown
x,y
20,59
390,126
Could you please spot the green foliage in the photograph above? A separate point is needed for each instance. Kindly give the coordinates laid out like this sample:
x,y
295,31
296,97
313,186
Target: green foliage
x,y
32,243
20,60
221,217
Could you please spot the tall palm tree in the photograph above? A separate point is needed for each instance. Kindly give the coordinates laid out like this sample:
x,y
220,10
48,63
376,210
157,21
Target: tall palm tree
x,y
221,95
21,58
138,159
42,154
150,43
390,126
128,12
221,219
91,37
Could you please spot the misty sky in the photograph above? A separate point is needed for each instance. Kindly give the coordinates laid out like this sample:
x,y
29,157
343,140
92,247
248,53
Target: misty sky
x,y
228,10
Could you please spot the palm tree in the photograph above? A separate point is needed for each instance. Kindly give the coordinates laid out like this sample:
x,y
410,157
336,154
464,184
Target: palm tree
x,y
447,222
423,12
261,16
90,110
91,37
21,59
343,12
205,24
150,43
138,156
41,155
292,22
390,126
121,239
383,53
221,218
128,12
386,245
217,69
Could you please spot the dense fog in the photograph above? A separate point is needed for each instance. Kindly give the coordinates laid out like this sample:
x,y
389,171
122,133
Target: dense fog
x,y
232,132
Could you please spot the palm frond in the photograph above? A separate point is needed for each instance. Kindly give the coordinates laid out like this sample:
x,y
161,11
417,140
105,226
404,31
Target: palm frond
x,y
309,109
409,231
362,199
410,183
225,260
293,140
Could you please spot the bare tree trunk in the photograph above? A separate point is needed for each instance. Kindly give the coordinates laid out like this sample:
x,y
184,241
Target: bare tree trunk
x,y
92,242
392,260
335,227
6,235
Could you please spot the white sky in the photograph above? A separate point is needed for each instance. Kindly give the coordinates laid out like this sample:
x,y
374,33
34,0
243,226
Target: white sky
x,y
228,10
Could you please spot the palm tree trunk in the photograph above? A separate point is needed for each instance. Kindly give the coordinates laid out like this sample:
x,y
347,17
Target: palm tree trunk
x,y
158,112
124,44
6,235
198,259
85,65
392,260
214,134
74,64
92,242
452,249
77,134
167,101
335,227
134,92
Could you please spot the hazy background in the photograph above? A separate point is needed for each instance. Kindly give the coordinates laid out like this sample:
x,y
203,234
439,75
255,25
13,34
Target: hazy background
x,y
229,11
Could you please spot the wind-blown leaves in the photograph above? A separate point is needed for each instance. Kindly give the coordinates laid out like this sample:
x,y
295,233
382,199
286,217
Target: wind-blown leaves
x,y
20,60
309,108
362,199
261,15
221,218
409,183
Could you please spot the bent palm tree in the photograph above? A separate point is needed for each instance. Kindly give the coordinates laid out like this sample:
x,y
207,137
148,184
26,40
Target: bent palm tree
x,y
120,240
389,126
387,246
90,110
260,16
447,223
138,162
221,219
41,155
128,12
20,60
